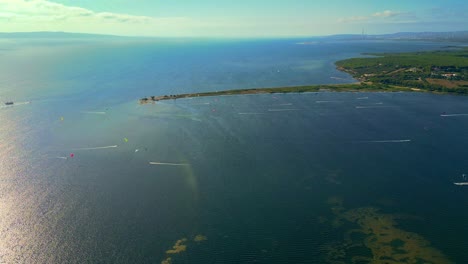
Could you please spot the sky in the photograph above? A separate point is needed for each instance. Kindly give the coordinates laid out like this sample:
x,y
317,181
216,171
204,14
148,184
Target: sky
x,y
228,18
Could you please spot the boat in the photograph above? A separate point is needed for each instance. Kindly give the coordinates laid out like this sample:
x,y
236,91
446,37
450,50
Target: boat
x,y
460,183
9,103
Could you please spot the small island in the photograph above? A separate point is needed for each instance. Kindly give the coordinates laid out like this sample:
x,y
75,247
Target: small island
x,y
433,71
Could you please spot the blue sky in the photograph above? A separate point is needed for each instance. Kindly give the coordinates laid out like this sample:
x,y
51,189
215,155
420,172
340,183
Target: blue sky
x,y
240,18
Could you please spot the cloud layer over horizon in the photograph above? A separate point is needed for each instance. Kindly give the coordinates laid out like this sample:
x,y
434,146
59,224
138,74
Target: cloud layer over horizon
x,y
226,20
43,15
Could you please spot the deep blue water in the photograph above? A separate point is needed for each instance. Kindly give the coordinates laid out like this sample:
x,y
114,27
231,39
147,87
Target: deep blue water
x,y
254,172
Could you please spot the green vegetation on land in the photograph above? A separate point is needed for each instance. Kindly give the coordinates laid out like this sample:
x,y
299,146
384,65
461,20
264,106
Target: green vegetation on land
x,y
439,71
435,71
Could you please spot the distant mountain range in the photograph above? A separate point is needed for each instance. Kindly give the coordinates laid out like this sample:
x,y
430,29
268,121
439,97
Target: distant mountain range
x,y
455,36
438,36
53,35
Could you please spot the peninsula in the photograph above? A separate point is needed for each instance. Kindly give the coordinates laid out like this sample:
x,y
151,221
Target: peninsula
x,y
433,71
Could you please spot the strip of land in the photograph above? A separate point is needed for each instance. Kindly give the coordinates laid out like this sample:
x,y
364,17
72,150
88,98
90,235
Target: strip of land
x,y
435,71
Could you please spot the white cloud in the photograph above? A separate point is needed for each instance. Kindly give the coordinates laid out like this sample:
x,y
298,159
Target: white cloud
x,y
384,16
40,9
386,13
42,15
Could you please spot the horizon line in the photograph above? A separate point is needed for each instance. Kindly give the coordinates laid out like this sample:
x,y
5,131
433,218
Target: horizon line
x,y
224,37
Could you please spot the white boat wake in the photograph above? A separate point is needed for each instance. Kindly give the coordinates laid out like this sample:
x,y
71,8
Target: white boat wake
x,y
168,164
386,141
93,113
324,102
372,106
449,115
282,110
106,147
15,104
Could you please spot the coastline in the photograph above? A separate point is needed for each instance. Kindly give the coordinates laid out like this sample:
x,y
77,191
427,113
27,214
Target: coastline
x,y
390,72
354,87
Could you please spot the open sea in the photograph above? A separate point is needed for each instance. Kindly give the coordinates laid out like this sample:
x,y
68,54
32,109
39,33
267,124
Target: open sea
x,y
88,175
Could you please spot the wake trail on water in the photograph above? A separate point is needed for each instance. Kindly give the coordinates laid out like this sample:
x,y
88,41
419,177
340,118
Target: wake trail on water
x,y
92,148
282,110
15,104
168,164
93,113
331,101
372,106
449,115
386,141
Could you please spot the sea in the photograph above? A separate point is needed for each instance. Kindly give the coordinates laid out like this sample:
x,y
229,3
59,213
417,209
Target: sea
x,y
89,175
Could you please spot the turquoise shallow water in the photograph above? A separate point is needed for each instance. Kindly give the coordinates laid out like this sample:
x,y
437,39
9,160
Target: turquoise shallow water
x,y
257,172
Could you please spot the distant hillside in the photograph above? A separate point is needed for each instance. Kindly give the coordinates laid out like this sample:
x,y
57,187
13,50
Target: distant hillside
x,y
456,36
56,35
